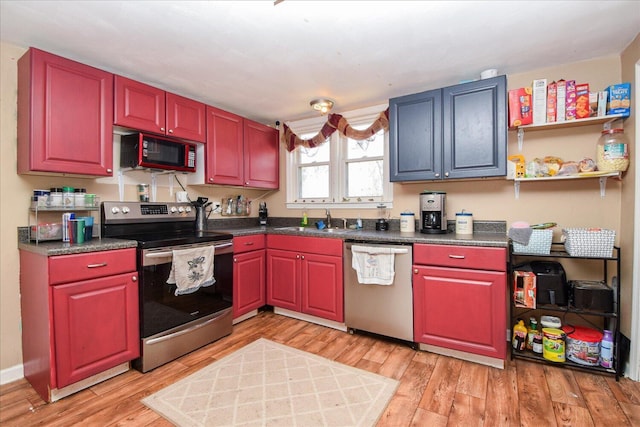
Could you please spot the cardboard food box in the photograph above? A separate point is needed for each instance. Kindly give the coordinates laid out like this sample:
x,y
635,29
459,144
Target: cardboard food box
x,y
602,103
551,102
520,107
582,101
539,97
619,99
570,102
524,289
561,94
593,104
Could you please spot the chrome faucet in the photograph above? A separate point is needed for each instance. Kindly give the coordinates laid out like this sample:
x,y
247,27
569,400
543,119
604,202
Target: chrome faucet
x,y
328,219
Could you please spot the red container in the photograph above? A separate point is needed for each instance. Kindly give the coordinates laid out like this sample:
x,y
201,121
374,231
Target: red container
x,y
583,344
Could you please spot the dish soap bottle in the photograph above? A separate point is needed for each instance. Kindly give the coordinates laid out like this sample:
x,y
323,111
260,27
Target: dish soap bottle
x,y
304,221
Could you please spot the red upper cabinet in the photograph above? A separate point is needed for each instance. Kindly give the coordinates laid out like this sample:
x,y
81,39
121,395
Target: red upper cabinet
x,y
144,107
224,149
261,159
139,106
65,116
240,152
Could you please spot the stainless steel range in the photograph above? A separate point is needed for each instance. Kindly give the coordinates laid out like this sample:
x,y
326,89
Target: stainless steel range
x,y
172,325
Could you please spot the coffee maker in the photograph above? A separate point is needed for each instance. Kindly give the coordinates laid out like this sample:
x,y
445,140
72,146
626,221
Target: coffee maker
x,y
433,215
262,213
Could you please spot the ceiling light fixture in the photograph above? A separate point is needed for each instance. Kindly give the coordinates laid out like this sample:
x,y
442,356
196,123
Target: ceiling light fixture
x,y
322,104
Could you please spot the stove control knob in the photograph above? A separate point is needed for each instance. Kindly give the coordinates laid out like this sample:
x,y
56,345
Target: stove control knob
x,y
174,209
180,209
115,210
187,209
125,210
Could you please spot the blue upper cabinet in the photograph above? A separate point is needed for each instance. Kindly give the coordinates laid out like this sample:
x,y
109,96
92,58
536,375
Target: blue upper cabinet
x,y
456,132
415,136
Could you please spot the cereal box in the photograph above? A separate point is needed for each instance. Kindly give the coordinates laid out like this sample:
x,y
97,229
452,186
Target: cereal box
x,y
524,289
582,101
570,102
539,101
520,107
561,94
551,102
619,99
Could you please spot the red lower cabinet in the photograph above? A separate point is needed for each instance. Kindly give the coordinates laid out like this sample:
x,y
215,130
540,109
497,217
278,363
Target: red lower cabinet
x,y
79,317
95,326
304,274
459,308
249,275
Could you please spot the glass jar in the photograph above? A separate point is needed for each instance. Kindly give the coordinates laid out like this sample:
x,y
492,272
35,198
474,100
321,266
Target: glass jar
x,y
68,197
78,197
612,151
55,197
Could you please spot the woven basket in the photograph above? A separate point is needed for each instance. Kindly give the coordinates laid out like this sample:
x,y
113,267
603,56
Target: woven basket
x,y
589,242
539,243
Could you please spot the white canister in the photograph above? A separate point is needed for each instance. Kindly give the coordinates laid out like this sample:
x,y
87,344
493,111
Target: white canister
x,y
464,223
407,222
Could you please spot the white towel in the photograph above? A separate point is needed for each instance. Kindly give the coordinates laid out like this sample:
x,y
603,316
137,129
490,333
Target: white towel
x,y
192,269
374,265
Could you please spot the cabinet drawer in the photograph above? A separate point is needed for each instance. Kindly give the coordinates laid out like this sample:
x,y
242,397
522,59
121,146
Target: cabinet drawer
x,y
71,268
248,243
480,258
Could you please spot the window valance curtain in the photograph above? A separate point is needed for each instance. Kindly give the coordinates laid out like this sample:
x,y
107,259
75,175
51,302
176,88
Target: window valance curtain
x,y
335,122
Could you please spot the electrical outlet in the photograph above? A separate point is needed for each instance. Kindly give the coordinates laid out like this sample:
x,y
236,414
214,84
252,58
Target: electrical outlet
x,y
216,208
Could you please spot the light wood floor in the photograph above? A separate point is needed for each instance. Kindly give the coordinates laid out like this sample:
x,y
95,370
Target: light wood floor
x,y
434,390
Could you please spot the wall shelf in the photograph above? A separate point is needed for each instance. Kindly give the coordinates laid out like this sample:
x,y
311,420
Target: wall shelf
x,y
602,178
566,124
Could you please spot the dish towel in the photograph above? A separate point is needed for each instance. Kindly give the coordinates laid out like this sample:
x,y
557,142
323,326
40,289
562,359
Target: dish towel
x,y
192,269
520,235
374,265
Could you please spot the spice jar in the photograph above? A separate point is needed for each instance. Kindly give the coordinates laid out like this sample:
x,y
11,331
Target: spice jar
x,y
78,197
55,197
68,197
612,151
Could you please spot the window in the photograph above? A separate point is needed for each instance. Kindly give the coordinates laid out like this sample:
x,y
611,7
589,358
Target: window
x,y
342,172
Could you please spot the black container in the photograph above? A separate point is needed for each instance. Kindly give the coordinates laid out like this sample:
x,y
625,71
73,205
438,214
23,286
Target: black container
x,y
590,295
551,282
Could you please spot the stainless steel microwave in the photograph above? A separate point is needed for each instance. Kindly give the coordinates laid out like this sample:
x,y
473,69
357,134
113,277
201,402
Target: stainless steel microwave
x,y
155,152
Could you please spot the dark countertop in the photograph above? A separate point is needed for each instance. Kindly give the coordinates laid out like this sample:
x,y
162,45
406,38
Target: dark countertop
x,y
493,239
65,248
490,234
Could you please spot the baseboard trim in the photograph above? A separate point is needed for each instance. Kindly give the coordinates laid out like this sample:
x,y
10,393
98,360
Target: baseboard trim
x,y
312,319
483,360
11,374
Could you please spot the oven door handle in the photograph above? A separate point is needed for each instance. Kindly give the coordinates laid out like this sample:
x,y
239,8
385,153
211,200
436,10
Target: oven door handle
x,y
182,332
170,253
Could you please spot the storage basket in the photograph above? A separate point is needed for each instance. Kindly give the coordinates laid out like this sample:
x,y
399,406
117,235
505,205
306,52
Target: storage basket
x,y
539,243
589,242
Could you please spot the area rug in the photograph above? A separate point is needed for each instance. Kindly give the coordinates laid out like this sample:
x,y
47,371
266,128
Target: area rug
x,y
270,384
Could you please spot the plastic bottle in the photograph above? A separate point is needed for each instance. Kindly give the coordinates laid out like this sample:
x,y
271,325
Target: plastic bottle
x,y
305,221
519,336
606,350
531,332
359,223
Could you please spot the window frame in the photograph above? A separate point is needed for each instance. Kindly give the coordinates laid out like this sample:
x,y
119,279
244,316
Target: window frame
x,y
337,164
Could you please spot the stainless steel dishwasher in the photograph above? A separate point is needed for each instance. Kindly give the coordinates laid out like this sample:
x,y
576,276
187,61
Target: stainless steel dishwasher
x,y
381,309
